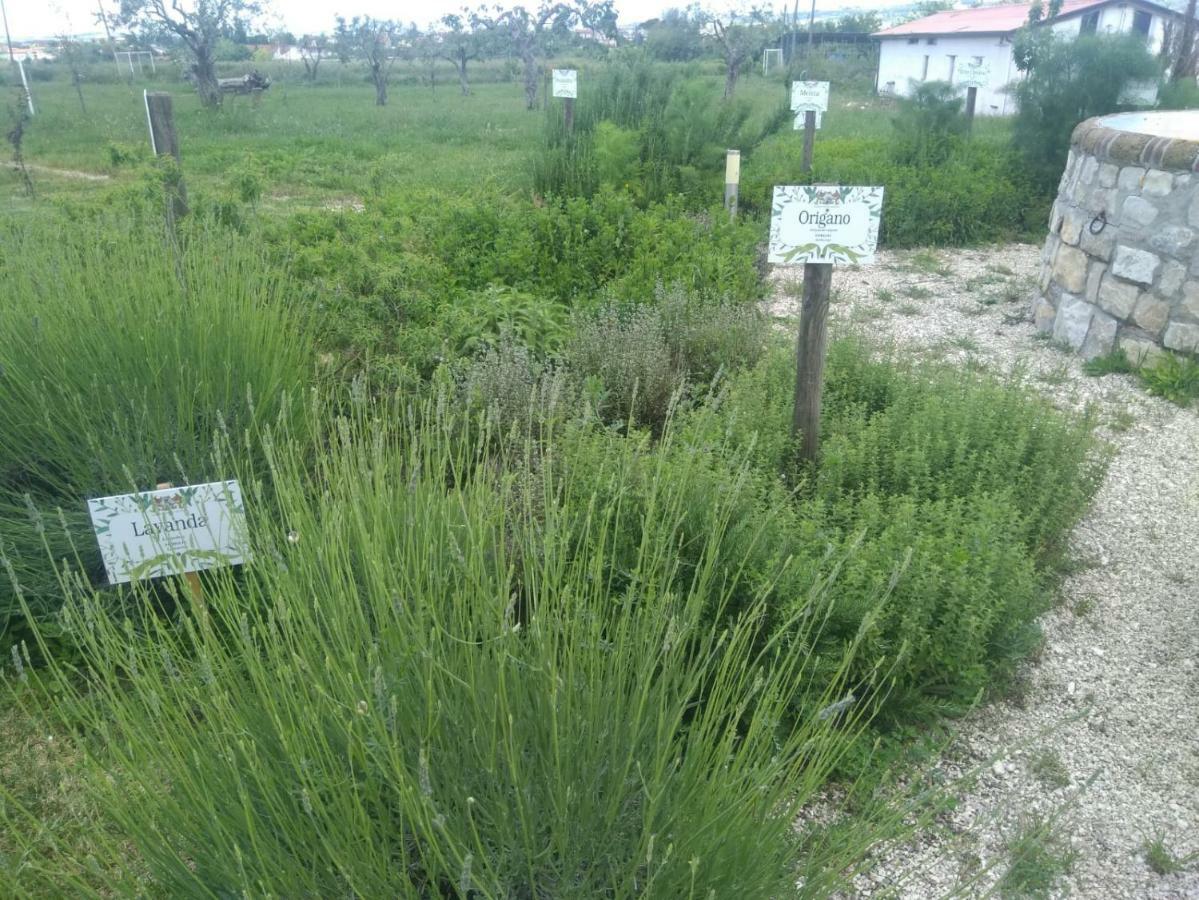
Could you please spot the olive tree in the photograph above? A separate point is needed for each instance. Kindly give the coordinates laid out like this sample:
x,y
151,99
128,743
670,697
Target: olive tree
x,y
466,38
373,41
198,24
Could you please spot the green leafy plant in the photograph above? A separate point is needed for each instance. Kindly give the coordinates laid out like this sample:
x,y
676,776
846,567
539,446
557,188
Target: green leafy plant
x,y
1174,377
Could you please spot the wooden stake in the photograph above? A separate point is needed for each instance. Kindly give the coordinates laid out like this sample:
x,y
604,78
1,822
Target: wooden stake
x,y
809,139
568,113
165,141
809,357
732,181
192,578
971,99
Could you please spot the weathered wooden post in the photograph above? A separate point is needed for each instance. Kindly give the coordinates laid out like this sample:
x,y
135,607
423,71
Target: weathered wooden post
x,y
164,141
972,74
566,86
819,226
809,140
808,100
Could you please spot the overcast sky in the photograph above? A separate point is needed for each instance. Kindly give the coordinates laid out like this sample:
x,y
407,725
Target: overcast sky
x,y
38,19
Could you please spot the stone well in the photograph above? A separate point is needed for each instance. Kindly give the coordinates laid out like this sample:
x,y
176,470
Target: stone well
x,y
1120,268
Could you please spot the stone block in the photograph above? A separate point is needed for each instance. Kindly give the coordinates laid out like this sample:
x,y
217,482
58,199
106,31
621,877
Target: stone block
x,y
1101,337
1043,314
1140,352
1135,265
1098,245
1193,212
1049,251
1055,216
1182,182
1151,313
1138,211
1074,220
1046,278
1118,297
1190,300
1108,172
1171,279
1094,277
1070,269
1073,321
1130,178
1182,336
1089,170
1173,240
1157,183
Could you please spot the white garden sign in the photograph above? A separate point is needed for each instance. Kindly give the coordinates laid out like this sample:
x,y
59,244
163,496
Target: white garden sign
x,y
152,534
824,224
566,83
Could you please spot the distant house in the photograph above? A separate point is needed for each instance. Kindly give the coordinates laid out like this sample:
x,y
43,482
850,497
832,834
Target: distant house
x,y
934,47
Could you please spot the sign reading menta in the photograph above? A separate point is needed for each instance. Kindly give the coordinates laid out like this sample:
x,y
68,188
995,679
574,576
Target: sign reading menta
x,y
169,532
566,83
824,224
809,95
973,73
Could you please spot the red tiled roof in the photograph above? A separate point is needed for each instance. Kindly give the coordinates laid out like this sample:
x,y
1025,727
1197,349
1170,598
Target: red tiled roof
x,y
983,20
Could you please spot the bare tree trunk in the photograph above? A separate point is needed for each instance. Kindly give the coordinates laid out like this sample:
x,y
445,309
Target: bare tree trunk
x,y
380,78
732,71
1186,62
204,69
530,62
463,83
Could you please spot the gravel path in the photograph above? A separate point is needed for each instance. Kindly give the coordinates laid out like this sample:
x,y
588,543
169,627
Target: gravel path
x,y
1106,728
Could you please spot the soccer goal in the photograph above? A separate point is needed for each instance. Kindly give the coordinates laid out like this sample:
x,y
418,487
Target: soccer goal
x,y
771,56
129,58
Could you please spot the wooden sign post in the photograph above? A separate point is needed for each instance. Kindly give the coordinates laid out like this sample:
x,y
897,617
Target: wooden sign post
x,y
809,99
566,86
972,74
819,226
732,181
164,141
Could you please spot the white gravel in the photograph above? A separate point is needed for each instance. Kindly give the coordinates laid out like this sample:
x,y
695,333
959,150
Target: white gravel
x,y
1113,696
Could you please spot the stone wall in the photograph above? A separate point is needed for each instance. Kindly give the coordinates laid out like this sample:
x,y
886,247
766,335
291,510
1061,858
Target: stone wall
x,y
1120,268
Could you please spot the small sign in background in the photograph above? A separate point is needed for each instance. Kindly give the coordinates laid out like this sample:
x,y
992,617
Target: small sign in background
x,y
807,95
152,534
972,74
566,83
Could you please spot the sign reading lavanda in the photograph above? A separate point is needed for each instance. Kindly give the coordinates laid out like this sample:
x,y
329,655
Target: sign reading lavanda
x,y
811,95
566,83
824,224
152,534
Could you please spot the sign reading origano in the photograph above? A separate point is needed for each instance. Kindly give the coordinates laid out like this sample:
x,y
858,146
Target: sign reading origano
x,y
153,534
824,224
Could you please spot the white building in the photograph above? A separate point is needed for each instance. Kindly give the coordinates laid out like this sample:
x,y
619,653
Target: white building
x,y
932,48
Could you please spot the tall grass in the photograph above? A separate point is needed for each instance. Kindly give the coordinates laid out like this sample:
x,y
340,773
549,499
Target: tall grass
x,y
123,356
430,682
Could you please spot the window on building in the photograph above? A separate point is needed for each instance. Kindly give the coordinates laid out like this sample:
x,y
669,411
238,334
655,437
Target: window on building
x,y
924,71
931,41
953,64
1090,23
913,40
978,60
1141,21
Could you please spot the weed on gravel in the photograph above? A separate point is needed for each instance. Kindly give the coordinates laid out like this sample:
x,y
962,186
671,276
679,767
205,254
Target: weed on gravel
x,y
1040,856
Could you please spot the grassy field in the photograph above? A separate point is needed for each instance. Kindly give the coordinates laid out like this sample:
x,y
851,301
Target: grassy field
x,y
313,143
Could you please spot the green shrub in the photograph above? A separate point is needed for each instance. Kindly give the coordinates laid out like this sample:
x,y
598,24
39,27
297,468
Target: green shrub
x,y
980,194
432,687
123,358
1174,377
1068,80
419,280
930,125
